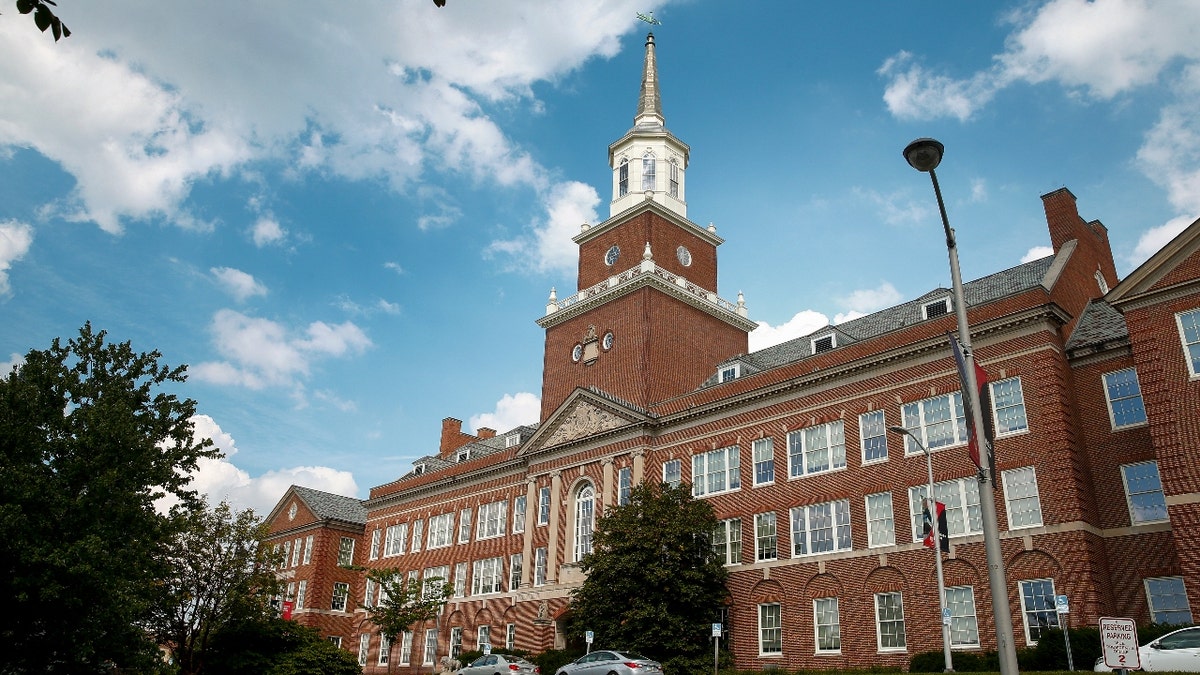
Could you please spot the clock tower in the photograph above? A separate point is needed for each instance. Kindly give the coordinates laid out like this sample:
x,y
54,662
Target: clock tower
x,y
647,323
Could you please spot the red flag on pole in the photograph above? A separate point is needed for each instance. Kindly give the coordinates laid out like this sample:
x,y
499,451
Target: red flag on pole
x,y
288,605
943,527
985,402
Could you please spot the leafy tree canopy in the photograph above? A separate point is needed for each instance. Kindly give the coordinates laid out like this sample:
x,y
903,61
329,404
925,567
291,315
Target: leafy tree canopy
x,y
404,603
220,574
44,17
88,442
654,584
276,647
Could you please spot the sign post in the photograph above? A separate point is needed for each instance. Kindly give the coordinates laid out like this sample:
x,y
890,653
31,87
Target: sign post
x,y
1118,641
588,636
1062,606
716,633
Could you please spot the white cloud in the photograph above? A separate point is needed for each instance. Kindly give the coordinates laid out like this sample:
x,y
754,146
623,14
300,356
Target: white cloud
x,y
267,231
237,283
387,307
548,243
261,353
867,300
394,266
1157,237
355,309
15,240
14,360
220,480
512,410
799,325
897,208
138,111
915,93
1170,155
1036,253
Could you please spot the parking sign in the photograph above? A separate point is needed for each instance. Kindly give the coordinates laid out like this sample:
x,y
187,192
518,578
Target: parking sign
x,y
1118,641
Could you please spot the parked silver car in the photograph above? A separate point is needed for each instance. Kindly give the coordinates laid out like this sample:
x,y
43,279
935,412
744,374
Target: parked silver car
x,y
500,664
611,662
1177,651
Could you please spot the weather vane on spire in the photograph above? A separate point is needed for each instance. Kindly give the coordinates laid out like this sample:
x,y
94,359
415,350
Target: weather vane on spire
x,y
648,17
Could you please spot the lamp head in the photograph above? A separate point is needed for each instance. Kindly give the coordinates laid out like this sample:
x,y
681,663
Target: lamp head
x,y
924,154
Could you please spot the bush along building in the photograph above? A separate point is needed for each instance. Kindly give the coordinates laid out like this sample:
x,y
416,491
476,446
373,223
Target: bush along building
x,y
1094,394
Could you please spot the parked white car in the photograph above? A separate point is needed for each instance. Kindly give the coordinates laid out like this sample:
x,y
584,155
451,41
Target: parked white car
x,y
1175,652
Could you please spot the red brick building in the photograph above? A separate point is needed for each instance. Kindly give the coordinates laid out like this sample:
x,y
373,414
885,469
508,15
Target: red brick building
x,y
1095,391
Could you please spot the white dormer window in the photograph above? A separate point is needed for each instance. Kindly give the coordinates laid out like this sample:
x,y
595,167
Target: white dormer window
x,y
931,310
418,469
623,178
824,343
463,455
729,372
512,440
648,172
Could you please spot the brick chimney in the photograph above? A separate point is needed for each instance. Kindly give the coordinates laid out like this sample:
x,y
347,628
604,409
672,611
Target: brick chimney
x,y
1062,217
485,433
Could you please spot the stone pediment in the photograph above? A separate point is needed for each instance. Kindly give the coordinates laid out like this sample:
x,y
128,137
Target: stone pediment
x,y
582,415
1168,270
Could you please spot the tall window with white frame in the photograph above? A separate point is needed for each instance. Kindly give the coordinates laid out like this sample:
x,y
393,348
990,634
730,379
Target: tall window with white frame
x,y
770,629
1189,335
308,544
543,505
464,526
1144,493
623,178
817,449
881,526
385,650
964,627
1124,397
430,647
514,571
672,472
510,636
540,563
716,471
440,527
1037,606
1168,600
1021,498
519,515
648,172
764,461
889,622
727,541
364,646
483,636
827,624
585,509
301,591
1008,406
375,540
624,485
296,552
486,576
406,641
341,591
394,540
418,529
872,430
765,538
455,641
460,579
961,498
492,519
673,185
821,528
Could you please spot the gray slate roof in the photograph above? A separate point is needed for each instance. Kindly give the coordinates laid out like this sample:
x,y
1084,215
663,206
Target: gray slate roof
x,y
980,291
1099,323
480,448
328,505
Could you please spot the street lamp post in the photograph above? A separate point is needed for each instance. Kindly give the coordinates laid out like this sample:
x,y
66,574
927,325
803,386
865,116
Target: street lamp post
x,y
924,155
931,504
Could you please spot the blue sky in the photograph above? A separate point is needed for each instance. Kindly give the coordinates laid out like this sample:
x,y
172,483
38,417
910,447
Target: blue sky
x,y
346,220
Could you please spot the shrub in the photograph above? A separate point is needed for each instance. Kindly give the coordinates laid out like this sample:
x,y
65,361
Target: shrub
x,y
551,660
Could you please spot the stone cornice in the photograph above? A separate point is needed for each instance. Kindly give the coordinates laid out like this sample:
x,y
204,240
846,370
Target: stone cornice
x,y
1157,296
657,209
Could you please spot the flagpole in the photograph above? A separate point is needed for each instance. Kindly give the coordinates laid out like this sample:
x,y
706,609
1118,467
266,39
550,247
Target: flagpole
x,y
924,154
931,507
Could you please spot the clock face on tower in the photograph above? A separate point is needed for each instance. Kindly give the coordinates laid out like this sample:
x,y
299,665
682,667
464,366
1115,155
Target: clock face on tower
x,y
610,258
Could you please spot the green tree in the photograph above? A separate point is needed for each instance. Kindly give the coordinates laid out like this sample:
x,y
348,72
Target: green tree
x,y
276,647
654,584
44,17
88,443
404,603
219,574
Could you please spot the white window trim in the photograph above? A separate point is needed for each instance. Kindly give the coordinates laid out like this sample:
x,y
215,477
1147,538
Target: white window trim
x,y
726,526
802,435
406,640
678,471
1129,494
891,518
731,453
345,596
775,520
734,371
520,512
1005,477
961,486
578,515
996,408
1184,344
308,544
945,302
351,556
862,438
812,344
911,448
429,655
879,626
1150,598
441,531
779,608
492,520
805,512
1029,642
385,650
766,440
549,503
1112,418
974,615
817,625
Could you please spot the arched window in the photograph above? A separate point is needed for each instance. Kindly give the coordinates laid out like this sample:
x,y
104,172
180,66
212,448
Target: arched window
x,y
647,172
585,509
1101,282
623,178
